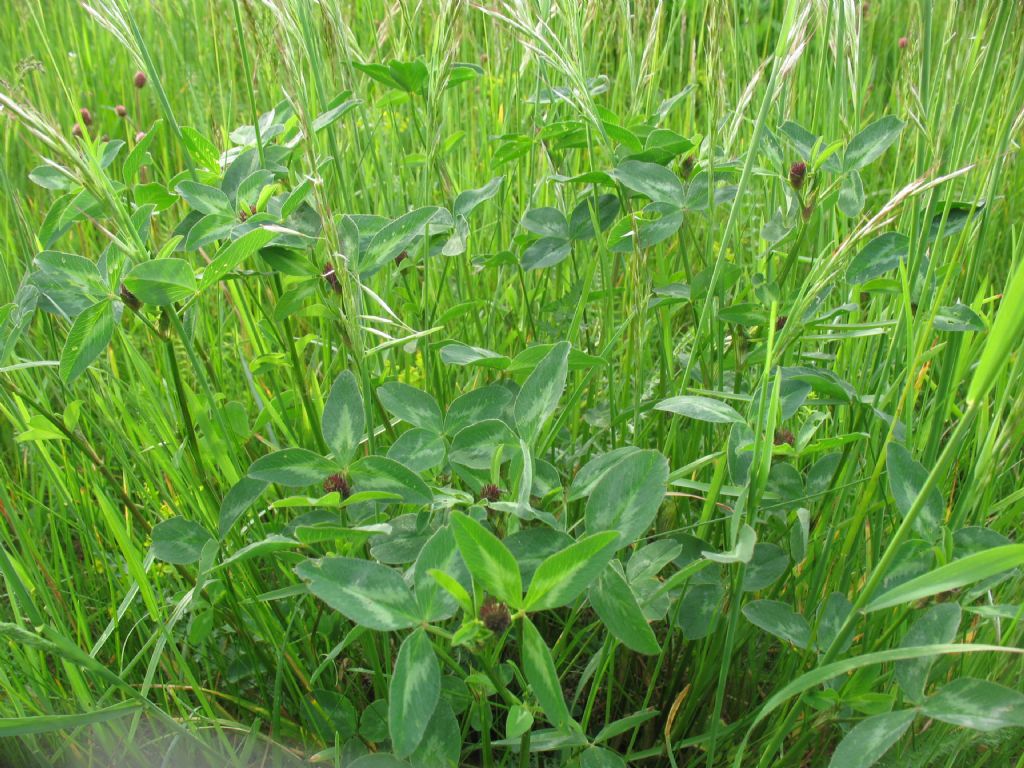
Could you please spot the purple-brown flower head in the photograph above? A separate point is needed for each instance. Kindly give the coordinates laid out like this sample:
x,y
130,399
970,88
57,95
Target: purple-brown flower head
x,y
784,437
495,615
121,110
338,483
797,174
490,492
86,116
331,277
130,299
903,43
76,131
140,79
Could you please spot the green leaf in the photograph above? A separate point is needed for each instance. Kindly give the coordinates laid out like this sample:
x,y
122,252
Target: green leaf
x,y
546,252
414,692
292,467
958,318
411,405
742,552
1002,339
976,704
851,195
12,727
89,336
471,198
906,478
701,408
368,593
474,446
566,574
488,559
624,724
581,222
938,624
954,575
179,541
377,473
518,721
233,254
617,606
599,757
882,254
651,180
766,566
541,391
418,449
870,143
161,282
779,619
871,738
546,222
592,472
393,238
441,746
627,497
204,198
241,496
540,672
53,177
343,420
209,229
463,354
377,759
439,555
823,673
137,157
338,107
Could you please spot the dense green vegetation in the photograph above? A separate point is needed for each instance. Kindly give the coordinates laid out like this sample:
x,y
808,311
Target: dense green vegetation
x,y
529,384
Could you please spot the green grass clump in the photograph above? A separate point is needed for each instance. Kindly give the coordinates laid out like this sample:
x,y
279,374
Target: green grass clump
x,y
529,384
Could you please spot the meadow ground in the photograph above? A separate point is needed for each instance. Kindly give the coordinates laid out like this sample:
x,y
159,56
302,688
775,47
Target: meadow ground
x,y
522,384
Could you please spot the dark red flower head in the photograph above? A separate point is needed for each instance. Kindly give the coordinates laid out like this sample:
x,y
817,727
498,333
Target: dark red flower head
x,y
783,435
86,116
331,277
121,110
495,615
903,42
797,174
130,299
338,483
490,492
140,79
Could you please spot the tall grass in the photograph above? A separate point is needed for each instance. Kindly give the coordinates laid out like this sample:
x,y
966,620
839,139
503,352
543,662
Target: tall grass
x,y
113,654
